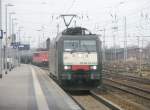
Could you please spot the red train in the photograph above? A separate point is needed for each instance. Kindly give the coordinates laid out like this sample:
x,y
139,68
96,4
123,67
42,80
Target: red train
x,y
40,58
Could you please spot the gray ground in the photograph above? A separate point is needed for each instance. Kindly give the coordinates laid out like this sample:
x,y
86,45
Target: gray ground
x,y
17,91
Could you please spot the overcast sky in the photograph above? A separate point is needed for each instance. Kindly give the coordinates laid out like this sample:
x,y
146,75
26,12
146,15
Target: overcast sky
x,y
97,14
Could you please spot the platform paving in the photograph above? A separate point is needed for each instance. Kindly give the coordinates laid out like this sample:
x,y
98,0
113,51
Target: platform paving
x,y
29,88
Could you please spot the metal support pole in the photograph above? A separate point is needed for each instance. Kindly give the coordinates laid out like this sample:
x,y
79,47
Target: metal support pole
x,y
17,35
13,40
10,36
104,57
114,43
138,55
125,40
6,29
114,29
141,58
103,42
43,38
13,30
1,62
39,41
6,38
18,47
10,25
10,33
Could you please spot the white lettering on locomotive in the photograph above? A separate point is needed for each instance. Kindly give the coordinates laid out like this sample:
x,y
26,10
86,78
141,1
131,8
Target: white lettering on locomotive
x,y
80,58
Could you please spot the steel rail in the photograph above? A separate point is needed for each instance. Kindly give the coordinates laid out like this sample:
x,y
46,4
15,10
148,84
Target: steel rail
x,y
106,102
127,88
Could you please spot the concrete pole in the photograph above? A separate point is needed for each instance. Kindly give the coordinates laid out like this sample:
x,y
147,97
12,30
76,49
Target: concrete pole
x,y
1,62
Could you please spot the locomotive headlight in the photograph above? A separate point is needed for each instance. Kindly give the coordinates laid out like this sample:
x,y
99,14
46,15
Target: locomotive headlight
x,y
66,67
79,55
93,67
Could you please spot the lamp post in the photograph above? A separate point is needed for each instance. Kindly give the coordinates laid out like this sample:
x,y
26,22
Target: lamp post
x,y
19,39
1,34
6,26
125,39
10,23
14,39
13,29
11,38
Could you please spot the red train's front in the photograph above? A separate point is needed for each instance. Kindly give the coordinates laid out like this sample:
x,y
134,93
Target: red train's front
x,y
40,58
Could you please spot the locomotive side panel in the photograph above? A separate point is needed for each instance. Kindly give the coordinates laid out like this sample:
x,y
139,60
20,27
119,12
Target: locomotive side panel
x,y
52,62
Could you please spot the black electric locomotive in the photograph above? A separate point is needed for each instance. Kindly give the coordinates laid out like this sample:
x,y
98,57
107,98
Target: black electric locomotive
x,y
75,59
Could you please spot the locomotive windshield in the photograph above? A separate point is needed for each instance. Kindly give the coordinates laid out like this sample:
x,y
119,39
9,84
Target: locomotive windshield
x,y
80,45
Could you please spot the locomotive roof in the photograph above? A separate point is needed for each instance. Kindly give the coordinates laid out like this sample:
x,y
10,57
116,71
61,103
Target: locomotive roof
x,y
75,32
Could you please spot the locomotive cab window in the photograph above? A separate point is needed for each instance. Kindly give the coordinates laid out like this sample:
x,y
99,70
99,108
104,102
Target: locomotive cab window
x,y
80,45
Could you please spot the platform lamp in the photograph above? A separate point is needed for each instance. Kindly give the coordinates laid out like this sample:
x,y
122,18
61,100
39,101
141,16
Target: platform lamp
x,y
19,40
11,23
13,39
10,31
6,29
1,36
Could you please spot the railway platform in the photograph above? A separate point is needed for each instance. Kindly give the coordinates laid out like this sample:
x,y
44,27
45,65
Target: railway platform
x,y
29,88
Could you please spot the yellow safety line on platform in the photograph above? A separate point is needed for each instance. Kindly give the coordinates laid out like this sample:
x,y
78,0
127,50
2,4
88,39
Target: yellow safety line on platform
x,y
40,97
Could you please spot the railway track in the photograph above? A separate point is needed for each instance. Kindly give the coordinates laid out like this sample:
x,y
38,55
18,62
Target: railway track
x,y
117,81
143,93
92,101
44,68
127,77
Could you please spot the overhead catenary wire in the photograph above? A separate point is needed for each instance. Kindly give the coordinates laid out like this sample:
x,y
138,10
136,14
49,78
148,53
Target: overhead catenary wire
x,y
71,6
